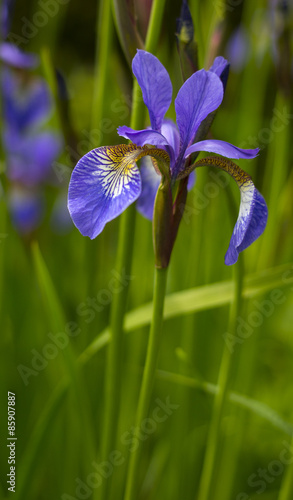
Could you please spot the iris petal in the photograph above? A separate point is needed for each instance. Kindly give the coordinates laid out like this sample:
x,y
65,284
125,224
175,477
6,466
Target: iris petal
x,y
221,68
222,148
170,131
201,94
142,137
150,183
103,184
253,211
155,84
251,221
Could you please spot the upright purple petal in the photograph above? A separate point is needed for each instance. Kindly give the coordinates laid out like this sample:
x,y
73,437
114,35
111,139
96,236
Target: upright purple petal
x,y
221,68
251,221
201,94
103,184
155,84
170,130
222,148
13,56
150,180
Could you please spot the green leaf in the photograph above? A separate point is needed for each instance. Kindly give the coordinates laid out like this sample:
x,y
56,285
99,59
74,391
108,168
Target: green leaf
x,y
125,19
198,299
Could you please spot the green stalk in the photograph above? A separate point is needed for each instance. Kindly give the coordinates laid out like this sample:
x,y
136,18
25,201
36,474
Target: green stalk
x,y
212,446
148,377
103,44
123,264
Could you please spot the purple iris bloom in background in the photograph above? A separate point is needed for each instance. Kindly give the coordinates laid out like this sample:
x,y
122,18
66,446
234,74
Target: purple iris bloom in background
x,y
29,147
106,180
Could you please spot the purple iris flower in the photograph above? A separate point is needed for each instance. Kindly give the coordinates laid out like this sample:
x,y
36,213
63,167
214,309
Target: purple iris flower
x,y
26,207
107,180
30,148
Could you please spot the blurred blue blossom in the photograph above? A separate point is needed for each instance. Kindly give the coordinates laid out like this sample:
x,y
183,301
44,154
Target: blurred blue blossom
x,y
30,148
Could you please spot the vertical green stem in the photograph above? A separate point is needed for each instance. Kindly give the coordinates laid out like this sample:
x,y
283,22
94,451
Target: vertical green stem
x,y
148,377
103,44
220,398
123,265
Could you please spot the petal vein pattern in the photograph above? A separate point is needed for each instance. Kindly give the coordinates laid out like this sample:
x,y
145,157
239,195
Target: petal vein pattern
x,y
103,184
114,180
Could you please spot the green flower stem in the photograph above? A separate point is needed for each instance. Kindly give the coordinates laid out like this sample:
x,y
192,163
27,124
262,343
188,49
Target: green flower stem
x,y
148,377
104,28
154,27
124,259
212,447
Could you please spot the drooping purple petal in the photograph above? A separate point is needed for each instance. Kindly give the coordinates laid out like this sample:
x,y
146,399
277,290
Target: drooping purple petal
x,y
26,208
201,94
30,158
103,184
13,56
150,180
250,224
221,68
222,148
191,180
155,84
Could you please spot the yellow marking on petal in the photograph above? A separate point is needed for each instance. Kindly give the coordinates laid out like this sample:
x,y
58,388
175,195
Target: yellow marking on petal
x,y
243,180
117,165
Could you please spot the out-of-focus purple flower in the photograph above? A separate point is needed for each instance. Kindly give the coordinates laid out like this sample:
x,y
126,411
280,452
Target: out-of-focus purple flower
x,y
26,105
26,207
238,49
30,147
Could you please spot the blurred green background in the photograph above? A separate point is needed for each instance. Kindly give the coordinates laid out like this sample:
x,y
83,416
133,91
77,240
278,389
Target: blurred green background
x,y
48,278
